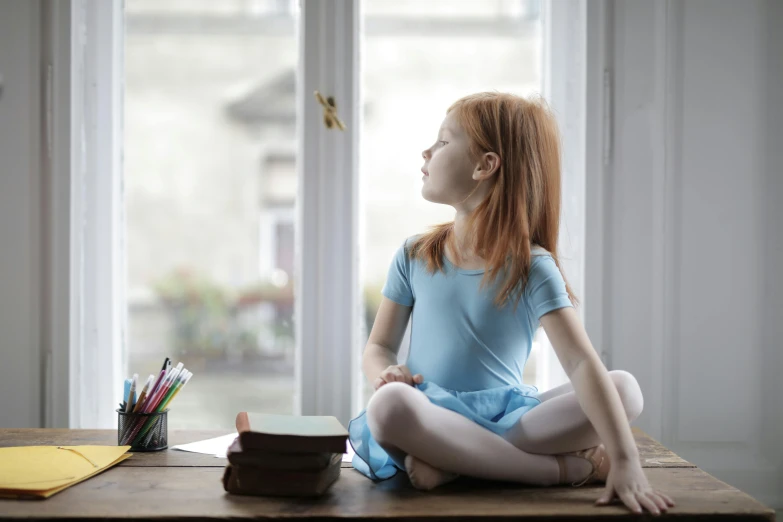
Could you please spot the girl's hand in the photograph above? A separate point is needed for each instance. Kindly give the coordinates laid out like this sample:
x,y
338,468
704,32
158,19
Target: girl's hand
x,y
397,373
627,481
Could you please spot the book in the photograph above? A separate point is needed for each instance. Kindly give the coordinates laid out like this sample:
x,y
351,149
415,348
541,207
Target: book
x,y
278,461
290,433
249,480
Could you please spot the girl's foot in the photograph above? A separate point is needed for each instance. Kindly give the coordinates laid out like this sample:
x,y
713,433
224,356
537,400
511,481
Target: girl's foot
x,y
586,466
425,477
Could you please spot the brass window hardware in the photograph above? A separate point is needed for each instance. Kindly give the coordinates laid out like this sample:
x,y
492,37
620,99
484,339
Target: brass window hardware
x,y
330,112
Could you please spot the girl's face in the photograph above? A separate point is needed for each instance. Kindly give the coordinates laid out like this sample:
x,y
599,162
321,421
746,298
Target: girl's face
x,y
448,167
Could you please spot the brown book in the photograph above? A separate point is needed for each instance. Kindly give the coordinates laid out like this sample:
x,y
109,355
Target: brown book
x,y
279,461
248,480
291,433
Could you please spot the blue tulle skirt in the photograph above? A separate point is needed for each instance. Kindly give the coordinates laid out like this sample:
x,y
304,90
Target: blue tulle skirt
x,y
496,409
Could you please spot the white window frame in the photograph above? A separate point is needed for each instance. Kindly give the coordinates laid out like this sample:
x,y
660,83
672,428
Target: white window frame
x,y
327,298
85,288
86,345
86,222
564,31
598,154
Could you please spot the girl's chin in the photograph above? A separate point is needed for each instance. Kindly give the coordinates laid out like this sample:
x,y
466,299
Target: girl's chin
x,y
429,196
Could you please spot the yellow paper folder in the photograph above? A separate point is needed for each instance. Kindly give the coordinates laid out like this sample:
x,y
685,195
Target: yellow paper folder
x,y
41,471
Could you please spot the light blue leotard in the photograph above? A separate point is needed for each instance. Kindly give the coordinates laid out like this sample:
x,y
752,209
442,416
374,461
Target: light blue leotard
x,y
470,352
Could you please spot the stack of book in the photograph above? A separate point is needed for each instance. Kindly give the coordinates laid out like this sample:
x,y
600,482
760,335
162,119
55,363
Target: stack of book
x,y
284,455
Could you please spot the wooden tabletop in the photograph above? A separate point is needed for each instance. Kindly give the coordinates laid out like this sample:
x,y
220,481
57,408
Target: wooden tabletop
x,y
651,452
174,484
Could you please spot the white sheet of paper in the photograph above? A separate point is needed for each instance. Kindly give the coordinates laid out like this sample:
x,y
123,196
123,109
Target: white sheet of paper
x,y
348,455
219,446
216,446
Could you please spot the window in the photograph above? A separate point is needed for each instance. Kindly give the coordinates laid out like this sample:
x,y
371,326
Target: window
x,y
210,183
231,186
419,58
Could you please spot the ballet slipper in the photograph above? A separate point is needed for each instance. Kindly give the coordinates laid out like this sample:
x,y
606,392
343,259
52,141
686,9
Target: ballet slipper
x,y
599,460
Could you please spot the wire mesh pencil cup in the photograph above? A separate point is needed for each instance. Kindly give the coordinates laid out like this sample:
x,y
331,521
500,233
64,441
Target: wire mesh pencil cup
x,y
143,431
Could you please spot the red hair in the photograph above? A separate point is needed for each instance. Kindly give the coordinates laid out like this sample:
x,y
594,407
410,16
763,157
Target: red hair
x,y
523,205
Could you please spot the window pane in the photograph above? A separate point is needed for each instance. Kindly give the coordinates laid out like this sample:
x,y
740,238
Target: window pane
x,y
210,184
412,73
465,9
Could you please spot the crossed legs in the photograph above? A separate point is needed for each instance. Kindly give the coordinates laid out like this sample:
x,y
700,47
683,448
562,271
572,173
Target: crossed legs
x,y
437,444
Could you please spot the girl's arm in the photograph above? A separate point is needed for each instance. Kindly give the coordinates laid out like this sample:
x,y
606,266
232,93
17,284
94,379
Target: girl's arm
x,y
594,388
600,401
385,337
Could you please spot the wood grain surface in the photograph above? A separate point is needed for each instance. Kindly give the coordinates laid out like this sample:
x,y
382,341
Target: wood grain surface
x,y
652,453
184,486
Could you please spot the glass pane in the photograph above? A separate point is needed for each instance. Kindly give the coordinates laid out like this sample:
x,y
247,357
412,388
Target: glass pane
x,y
210,184
465,9
420,56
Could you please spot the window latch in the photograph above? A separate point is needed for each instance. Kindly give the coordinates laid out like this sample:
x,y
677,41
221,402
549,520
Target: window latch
x,y
330,112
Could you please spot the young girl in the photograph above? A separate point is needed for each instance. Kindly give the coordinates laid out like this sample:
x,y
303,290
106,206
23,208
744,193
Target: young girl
x,y
476,290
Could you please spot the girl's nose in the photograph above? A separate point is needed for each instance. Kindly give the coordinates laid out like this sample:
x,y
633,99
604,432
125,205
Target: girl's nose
x,y
425,153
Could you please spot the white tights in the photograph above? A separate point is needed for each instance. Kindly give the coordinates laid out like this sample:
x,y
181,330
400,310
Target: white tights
x,y
404,422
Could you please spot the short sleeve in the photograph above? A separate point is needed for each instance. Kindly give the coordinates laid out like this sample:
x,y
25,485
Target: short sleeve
x,y
546,289
398,285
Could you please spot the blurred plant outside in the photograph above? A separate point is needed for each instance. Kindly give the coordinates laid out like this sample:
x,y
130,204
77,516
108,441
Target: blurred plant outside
x,y
212,322
215,322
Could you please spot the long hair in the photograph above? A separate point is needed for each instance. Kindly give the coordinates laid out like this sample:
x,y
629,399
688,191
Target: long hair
x,y
523,205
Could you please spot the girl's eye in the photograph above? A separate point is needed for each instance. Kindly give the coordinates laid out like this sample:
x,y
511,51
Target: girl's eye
x,y
442,142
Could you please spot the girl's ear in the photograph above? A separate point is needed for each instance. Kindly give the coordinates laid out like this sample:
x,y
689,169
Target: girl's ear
x,y
488,166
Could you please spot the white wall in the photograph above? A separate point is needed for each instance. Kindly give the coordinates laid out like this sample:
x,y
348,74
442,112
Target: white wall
x,y
770,432
20,225
693,244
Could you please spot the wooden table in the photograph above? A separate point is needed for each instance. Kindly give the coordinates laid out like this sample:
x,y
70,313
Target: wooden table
x,y
177,485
